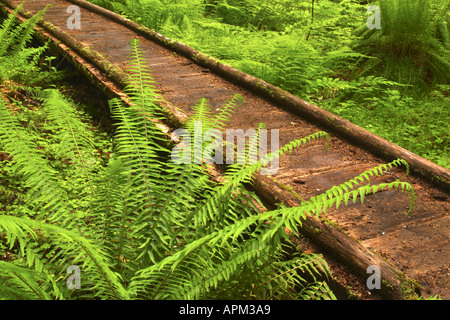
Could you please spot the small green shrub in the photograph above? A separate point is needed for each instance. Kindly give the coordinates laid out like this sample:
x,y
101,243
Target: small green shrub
x,y
412,45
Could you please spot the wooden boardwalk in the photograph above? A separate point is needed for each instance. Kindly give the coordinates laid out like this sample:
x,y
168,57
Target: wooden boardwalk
x,y
376,232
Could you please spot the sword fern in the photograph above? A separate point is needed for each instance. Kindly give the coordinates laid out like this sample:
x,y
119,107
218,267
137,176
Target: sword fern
x,y
154,229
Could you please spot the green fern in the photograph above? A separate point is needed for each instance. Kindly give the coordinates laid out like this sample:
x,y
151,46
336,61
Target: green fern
x,y
17,61
75,137
154,229
342,193
407,49
30,163
73,248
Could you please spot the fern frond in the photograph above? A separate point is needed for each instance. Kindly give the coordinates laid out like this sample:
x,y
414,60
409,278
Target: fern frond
x,y
13,36
94,264
140,87
208,280
76,139
293,217
17,282
243,174
39,177
225,112
343,191
282,276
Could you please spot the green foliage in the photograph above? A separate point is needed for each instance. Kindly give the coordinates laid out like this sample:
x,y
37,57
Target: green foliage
x,y
158,225
278,15
412,45
149,228
18,62
157,14
418,124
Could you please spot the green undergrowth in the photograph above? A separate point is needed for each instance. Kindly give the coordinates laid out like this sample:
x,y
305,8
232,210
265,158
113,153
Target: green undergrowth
x,y
392,82
135,224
